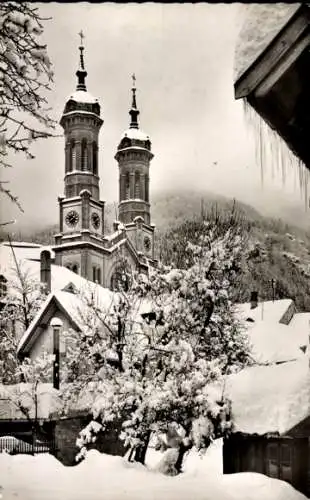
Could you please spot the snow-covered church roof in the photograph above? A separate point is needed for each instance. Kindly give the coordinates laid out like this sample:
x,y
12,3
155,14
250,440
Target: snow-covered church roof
x,y
83,96
135,133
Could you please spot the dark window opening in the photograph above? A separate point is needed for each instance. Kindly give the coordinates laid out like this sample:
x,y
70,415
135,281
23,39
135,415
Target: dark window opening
x,y
95,158
73,156
137,185
84,166
3,286
127,187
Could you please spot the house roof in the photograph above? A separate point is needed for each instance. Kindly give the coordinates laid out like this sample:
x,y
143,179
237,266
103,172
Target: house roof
x,y
270,399
28,257
262,24
269,310
75,306
275,337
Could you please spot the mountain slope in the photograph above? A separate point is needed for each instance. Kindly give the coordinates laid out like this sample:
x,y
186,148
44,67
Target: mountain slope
x,y
279,252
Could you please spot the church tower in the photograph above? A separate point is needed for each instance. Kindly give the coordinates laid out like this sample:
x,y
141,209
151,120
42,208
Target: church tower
x,y
134,156
81,213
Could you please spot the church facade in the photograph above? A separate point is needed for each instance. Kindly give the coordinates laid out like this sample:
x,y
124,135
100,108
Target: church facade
x,y
82,244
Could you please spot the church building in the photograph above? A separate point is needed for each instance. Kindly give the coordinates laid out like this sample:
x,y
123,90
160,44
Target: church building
x,y
82,244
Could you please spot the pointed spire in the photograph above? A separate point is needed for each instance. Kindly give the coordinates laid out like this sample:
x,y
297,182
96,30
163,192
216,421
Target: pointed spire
x,y
134,112
81,72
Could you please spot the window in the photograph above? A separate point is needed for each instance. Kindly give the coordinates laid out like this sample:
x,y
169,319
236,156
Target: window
x,y
3,286
75,268
137,185
279,461
272,460
120,279
95,158
73,156
84,166
97,275
286,462
127,187
146,188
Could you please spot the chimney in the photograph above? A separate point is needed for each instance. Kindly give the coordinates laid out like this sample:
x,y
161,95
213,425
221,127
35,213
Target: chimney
x,y
45,269
254,299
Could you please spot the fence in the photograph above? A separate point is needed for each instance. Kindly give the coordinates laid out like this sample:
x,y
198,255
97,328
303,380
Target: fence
x,y
14,446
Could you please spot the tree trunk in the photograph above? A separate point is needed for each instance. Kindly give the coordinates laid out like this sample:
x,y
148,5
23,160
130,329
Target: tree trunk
x,y
182,450
142,449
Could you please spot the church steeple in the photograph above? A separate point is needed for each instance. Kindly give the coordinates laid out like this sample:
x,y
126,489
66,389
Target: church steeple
x,y
133,157
81,72
134,112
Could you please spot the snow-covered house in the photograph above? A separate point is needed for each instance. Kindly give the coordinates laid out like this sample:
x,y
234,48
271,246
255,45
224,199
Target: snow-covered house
x,y
277,332
272,70
271,400
271,422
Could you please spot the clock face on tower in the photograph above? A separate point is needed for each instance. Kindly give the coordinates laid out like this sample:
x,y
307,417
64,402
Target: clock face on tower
x,y
95,220
72,218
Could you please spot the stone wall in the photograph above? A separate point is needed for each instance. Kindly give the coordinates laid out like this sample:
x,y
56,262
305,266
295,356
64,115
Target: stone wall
x,y
66,432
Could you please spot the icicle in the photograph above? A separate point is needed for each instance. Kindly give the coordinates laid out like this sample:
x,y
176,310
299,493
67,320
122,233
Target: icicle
x,y
272,152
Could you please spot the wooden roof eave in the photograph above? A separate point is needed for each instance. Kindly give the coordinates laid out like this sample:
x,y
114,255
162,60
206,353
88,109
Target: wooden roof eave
x,y
277,58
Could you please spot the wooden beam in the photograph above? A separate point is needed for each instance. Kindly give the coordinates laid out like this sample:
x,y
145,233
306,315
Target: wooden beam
x,y
283,65
295,28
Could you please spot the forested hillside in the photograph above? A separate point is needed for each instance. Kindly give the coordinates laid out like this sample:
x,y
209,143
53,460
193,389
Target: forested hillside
x,y
276,262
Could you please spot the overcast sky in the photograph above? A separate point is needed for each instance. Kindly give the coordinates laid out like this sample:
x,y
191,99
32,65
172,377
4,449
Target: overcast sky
x,y
183,57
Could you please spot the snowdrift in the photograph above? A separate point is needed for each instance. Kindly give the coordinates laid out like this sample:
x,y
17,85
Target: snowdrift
x,y
100,476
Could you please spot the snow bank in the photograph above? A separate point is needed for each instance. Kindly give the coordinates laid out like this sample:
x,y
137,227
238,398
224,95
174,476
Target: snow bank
x,y
112,478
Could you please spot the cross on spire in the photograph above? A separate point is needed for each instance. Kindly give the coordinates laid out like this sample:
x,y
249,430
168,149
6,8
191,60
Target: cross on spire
x,y
134,112
133,76
82,36
81,72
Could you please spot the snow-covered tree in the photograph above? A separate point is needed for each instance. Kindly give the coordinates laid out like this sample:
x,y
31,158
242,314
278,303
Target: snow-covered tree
x,y
17,309
166,347
25,77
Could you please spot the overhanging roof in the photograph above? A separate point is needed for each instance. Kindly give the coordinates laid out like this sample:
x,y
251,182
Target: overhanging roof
x,y
275,76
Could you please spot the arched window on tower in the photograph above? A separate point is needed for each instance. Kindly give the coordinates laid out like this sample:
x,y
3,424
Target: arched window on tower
x,y
73,156
137,185
146,189
84,166
95,158
127,186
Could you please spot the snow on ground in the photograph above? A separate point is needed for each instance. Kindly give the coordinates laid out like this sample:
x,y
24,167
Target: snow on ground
x,y
106,477
209,463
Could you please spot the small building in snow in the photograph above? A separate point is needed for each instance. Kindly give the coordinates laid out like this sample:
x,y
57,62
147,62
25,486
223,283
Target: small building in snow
x,y
271,422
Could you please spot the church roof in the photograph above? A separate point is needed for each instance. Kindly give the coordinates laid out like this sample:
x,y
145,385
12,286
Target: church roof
x,y
82,96
135,133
